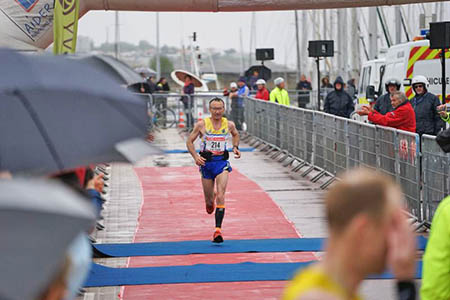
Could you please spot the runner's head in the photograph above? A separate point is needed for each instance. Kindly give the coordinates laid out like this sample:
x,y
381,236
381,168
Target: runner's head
x,y
360,210
216,108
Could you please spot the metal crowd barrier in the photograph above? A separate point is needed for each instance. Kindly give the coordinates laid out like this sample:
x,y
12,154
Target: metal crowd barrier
x,y
197,105
330,145
435,175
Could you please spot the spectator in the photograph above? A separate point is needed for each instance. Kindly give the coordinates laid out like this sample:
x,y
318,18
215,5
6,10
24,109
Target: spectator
x,y
232,96
304,87
383,104
351,88
188,101
279,93
160,101
445,116
326,83
425,106
367,230
262,92
402,117
252,81
237,104
338,102
163,85
151,84
233,89
436,260
86,183
304,84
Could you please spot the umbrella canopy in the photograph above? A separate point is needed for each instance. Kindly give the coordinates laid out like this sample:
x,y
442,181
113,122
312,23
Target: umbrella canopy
x,y
38,221
58,114
119,71
146,71
180,75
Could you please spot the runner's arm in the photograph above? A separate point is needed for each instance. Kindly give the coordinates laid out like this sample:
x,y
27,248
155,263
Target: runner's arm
x,y
200,161
235,138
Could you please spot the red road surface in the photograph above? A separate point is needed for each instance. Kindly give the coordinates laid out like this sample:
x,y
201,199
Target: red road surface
x,y
174,210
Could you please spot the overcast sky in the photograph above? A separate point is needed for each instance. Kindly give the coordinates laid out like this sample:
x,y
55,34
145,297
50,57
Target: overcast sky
x,y
274,29
214,30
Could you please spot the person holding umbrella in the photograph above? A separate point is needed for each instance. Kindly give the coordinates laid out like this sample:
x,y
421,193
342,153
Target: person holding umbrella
x,y
188,102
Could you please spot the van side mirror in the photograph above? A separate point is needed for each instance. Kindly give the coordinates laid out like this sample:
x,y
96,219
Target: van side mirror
x,y
370,93
407,82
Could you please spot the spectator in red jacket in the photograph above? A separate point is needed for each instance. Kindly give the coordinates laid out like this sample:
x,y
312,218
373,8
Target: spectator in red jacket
x,y
403,116
263,93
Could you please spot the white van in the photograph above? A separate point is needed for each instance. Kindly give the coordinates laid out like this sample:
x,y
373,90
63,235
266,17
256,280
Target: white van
x,y
370,75
403,62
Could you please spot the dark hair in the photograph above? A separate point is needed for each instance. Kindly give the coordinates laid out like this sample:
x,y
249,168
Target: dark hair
x,y
88,177
218,100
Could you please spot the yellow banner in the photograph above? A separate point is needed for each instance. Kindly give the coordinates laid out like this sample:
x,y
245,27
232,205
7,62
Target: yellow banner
x,y
65,26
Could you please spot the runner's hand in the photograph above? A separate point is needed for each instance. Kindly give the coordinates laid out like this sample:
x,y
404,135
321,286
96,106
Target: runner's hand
x,y
199,161
237,153
401,248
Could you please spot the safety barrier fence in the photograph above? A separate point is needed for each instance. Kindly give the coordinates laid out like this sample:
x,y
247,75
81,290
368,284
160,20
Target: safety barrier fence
x,y
329,145
177,111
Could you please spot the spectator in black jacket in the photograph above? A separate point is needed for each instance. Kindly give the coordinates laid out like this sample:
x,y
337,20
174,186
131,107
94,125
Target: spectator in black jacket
x,y
303,90
188,101
338,102
383,104
425,106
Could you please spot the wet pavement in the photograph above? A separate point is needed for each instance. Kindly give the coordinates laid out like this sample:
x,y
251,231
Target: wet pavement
x,y
298,198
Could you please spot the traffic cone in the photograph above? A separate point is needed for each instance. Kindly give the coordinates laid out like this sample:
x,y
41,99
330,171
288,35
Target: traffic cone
x,y
181,120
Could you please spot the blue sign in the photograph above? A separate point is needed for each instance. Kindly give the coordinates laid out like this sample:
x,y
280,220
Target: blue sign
x,y
424,32
27,5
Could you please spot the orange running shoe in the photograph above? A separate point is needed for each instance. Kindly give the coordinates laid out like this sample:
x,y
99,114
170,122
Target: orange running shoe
x,y
217,237
210,207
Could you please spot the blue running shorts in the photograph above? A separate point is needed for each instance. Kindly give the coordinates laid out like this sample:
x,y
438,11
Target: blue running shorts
x,y
215,167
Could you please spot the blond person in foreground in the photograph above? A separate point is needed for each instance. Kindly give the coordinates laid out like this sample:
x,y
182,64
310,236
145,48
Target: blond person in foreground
x,y
367,232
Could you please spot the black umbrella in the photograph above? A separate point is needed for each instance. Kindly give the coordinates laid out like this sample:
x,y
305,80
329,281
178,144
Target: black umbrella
x,y
57,114
118,70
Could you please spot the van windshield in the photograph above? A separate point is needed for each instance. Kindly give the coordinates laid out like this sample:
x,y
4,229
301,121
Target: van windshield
x,y
365,79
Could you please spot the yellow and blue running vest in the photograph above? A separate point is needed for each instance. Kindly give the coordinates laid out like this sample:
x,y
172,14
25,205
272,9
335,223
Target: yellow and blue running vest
x,y
215,141
313,279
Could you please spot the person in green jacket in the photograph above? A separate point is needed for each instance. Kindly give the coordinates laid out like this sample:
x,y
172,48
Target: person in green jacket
x,y
279,93
436,260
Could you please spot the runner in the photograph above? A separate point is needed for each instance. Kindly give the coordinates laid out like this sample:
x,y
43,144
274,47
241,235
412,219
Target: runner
x,y
213,159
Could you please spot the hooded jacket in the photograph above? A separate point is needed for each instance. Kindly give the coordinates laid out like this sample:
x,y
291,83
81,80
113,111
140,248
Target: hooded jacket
x,y
428,120
338,102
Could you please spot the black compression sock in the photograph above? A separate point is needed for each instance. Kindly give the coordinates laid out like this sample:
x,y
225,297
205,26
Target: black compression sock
x,y
220,213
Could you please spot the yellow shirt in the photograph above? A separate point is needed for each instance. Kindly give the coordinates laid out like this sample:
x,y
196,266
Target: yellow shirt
x,y
280,96
313,279
214,140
